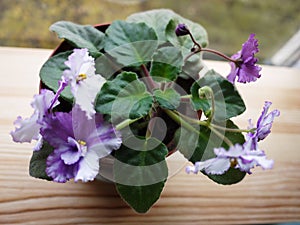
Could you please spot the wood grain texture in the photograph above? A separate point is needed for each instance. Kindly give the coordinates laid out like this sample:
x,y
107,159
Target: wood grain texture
x,y
264,197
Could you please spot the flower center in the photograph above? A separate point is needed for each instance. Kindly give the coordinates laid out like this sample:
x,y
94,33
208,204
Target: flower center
x,y
233,162
81,77
83,147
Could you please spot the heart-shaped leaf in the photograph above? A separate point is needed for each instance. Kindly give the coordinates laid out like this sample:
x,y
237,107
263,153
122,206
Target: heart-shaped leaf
x,y
157,19
166,64
140,171
80,36
228,102
125,97
130,43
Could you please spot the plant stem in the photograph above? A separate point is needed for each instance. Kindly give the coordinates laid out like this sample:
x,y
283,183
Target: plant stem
x,y
125,123
180,121
186,96
232,129
223,137
195,121
218,53
150,82
194,41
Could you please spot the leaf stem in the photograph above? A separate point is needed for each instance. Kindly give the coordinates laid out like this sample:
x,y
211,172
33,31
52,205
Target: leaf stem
x,y
150,83
223,137
125,123
232,129
195,121
180,121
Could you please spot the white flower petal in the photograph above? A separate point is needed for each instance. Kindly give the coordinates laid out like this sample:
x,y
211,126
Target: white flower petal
x,y
218,166
88,167
27,129
85,93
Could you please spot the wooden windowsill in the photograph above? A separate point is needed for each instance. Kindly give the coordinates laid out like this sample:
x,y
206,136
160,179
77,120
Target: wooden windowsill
x,y
263,197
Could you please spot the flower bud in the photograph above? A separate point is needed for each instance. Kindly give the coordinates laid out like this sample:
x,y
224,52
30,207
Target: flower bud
x,y
182,30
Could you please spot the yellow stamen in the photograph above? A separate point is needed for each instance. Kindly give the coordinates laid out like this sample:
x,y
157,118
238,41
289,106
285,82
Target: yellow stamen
x,y
83,143
81,77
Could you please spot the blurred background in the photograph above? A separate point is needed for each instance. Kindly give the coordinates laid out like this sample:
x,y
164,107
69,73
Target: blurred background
x,y
25,23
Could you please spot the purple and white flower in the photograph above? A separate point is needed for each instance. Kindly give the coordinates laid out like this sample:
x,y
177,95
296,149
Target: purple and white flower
x,y
243,157
245,67
85,84
28,129
78,144
236,156
263,126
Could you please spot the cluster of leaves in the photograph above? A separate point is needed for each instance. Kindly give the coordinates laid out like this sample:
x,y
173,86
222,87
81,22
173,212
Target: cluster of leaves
x,y
142,60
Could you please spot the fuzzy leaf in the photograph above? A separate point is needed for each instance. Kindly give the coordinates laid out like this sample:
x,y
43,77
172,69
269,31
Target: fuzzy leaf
x,y
130,43
140,172
125,97
37,166
166,64
156,19
80,36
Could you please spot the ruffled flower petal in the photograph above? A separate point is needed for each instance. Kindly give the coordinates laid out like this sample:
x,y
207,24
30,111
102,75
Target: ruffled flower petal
x,y
80,143
28,129
217,166
265,121
88,167
85,93
57,129
245,67
57,169
236,156
85,84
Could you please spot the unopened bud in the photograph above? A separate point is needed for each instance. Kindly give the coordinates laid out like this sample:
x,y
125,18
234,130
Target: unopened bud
x,y
182,30
205,92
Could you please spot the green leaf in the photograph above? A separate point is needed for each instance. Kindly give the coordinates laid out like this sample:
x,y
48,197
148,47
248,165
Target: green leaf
x,y
232,176
37,166
52,71
157,19
196,148
168,99
125,97
228,102
166,64
107,66
141,171
130,43
80,36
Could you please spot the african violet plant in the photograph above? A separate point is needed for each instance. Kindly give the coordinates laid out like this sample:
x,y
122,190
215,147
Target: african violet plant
x,y
132,92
